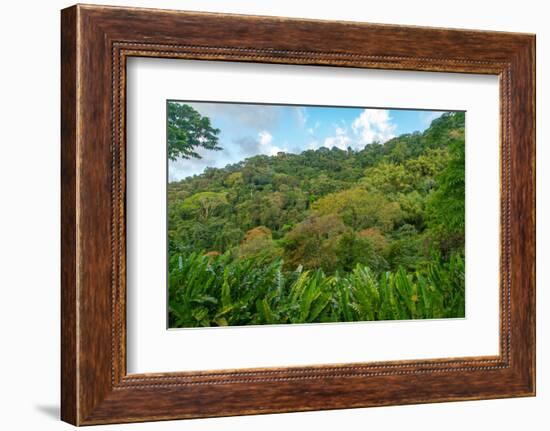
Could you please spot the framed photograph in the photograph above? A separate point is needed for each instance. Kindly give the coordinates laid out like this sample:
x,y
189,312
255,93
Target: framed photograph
x,y
263,214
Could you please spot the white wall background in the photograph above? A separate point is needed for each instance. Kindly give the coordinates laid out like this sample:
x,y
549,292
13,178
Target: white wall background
x,y
29,215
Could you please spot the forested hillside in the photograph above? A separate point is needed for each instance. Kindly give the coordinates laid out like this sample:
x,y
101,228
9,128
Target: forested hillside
x,y
325,235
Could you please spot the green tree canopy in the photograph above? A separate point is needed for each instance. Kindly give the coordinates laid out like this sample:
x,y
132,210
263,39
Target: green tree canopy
x,y
359,208
187,131
203,205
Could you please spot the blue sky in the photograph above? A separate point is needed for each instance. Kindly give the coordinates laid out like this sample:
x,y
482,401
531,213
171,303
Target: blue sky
x,y
248,130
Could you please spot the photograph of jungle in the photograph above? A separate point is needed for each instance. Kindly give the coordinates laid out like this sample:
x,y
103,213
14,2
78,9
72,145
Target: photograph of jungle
x,y
291,214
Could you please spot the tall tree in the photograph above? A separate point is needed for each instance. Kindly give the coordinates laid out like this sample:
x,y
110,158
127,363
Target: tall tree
x,y
189,130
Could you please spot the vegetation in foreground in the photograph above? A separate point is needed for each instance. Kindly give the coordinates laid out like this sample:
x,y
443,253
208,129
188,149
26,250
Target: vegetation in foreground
x,y
220,291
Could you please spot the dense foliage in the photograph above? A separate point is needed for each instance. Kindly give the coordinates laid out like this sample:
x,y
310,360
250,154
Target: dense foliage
x,y
224,291
322,236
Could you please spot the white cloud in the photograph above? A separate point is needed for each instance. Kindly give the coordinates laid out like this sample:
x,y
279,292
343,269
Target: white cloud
x,y
313,145
374,125
339,140
265,137
265,140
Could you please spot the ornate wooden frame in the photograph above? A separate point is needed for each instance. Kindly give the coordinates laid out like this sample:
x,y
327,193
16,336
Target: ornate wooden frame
x,y
95,43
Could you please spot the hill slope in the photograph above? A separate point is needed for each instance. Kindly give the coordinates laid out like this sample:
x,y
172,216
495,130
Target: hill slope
x,y
384,193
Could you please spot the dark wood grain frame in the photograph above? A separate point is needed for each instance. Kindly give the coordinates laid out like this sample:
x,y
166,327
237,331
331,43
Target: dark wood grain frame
x,y
95,43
